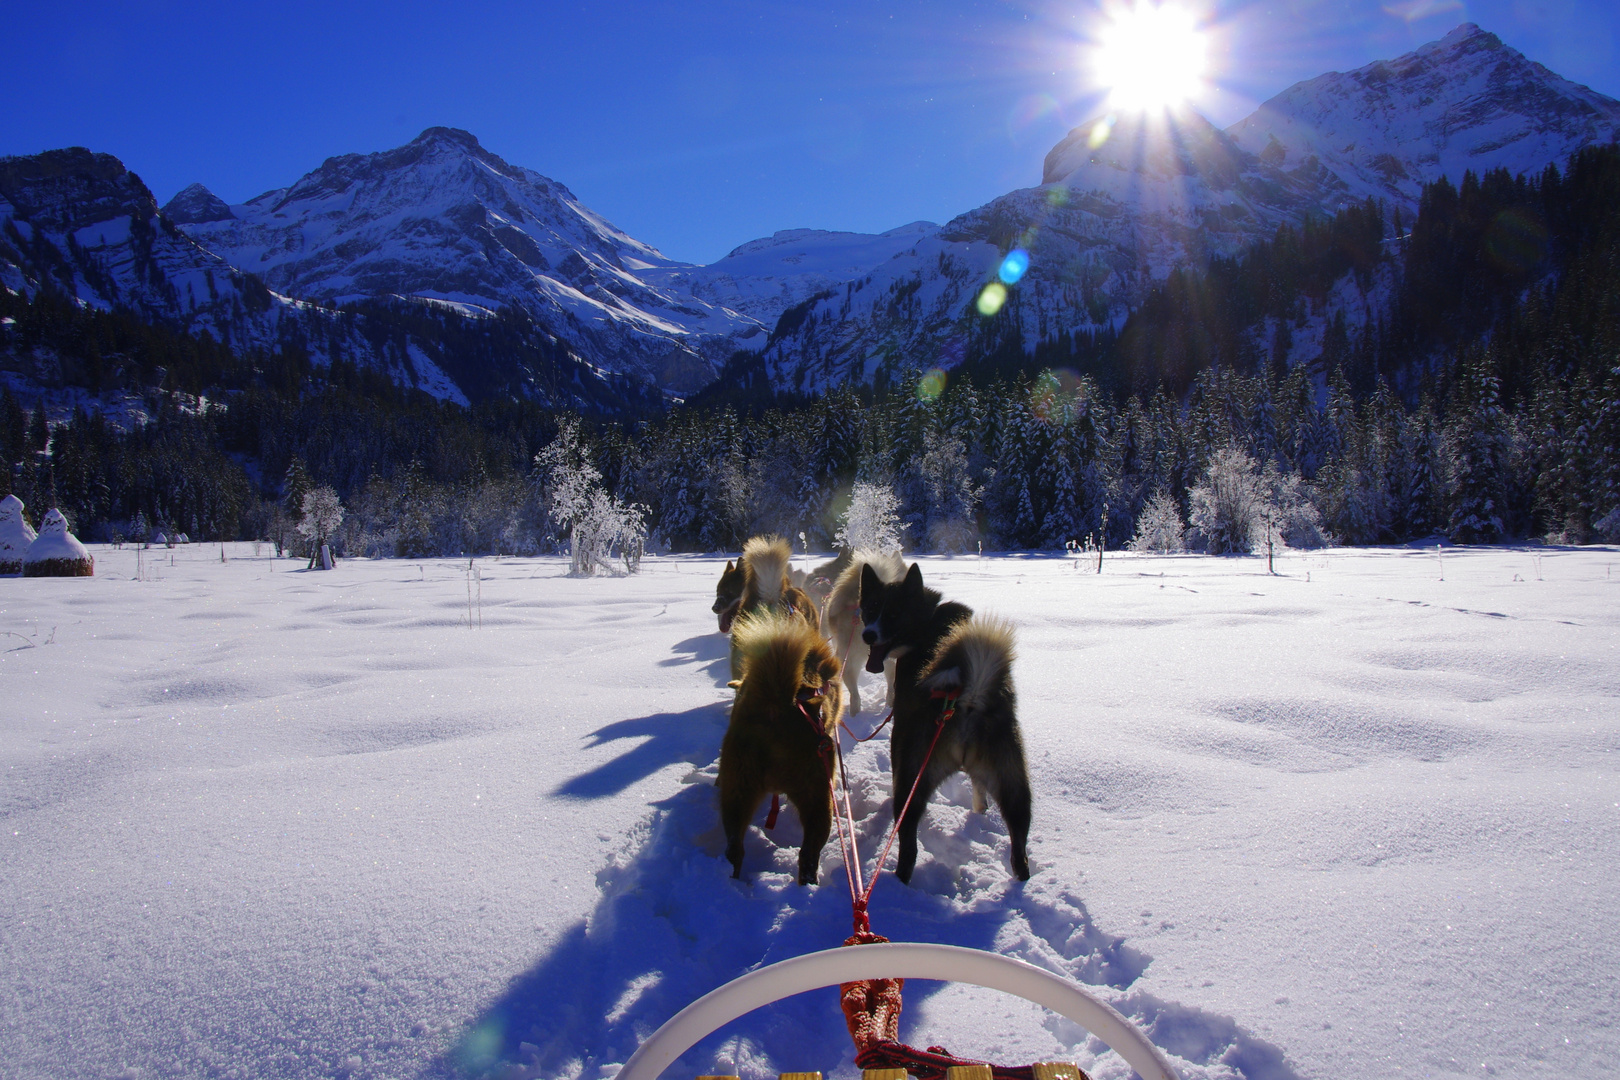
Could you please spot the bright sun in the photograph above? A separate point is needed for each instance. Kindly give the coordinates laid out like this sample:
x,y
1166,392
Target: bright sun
x,y
1150,56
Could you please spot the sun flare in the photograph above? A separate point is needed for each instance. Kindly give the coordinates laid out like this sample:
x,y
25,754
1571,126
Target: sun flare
x,y
1150,56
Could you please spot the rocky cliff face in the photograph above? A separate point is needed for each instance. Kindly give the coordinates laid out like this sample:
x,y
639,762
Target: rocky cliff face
x,y
83,224
1122,202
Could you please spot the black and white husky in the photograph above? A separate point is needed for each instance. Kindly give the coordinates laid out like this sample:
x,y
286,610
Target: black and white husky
x,y
953,666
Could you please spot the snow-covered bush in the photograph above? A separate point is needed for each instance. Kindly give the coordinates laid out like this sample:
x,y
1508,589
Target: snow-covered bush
x,y
872,521
15,535
600,527
1240,507
56,552
1226,505
1159,529
1287,515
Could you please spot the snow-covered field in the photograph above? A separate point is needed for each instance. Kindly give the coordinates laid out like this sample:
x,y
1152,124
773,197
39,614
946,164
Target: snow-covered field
x,y
1358,819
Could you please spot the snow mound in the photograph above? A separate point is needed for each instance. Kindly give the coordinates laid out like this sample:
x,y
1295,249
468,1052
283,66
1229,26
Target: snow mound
x,y
56,552
15,535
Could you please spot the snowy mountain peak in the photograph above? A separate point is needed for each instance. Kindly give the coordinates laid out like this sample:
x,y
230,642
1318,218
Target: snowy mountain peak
x,y
444,219
1465,102
196,204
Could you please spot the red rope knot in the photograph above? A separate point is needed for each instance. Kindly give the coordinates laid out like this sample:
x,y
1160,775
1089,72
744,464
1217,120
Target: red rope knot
x,y
871,1006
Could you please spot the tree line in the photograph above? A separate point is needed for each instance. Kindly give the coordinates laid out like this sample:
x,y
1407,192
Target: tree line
x,y
1480,401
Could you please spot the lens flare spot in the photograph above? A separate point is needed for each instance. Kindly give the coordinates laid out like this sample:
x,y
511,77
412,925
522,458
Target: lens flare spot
x,y
931,385
991,298
1014,266
1058,396
1100,131
1057,196
1516,241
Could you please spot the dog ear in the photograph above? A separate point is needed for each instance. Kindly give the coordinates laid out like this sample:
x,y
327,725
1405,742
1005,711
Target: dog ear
x,y
829,669
914,580
729,567
870,582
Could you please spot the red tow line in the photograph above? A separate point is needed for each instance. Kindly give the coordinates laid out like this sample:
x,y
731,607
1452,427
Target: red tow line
x,y
871,1007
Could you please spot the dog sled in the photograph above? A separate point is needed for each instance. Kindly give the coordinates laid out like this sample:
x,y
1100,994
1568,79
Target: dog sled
x,y
884,962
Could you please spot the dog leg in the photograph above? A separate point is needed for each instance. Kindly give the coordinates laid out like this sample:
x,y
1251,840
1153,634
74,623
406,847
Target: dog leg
x,y
852,669
903,778
1014,800
737,805
815,814
980,805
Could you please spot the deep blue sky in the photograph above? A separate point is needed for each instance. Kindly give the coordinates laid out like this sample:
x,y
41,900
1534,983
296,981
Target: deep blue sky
x,y
694,126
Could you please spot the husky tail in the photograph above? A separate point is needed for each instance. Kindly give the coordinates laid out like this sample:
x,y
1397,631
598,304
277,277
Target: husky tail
x,y
974,660
783,659
765,559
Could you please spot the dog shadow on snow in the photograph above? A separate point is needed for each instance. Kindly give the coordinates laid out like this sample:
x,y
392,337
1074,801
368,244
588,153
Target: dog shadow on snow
x,y
671,925
712,651
690,736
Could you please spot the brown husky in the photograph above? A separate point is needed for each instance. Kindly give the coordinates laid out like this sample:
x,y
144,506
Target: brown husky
x,y
728,594
766,584
783,722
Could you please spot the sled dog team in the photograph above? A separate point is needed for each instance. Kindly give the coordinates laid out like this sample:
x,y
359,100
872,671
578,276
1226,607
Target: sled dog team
x,y
795,675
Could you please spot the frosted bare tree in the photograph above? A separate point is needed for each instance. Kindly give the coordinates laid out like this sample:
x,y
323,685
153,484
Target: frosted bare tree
x,y
323,513
1240,507
872,521
600,528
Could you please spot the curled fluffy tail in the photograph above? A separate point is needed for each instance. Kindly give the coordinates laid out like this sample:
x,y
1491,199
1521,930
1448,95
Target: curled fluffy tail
x,y
975,658
783,655
766,559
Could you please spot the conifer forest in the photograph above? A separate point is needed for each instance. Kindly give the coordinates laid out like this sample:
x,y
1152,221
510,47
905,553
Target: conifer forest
x,y
1478,401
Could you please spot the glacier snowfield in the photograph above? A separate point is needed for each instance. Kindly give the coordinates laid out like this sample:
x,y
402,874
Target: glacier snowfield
x,y
400,820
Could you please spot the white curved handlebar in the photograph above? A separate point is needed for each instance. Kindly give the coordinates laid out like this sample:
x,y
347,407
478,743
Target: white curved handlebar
x,y
896,960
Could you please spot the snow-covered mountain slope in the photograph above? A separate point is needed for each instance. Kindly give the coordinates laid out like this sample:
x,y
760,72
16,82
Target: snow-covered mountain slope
x,y
77,223
443,218
765,277
1122,202
1464,102
82,224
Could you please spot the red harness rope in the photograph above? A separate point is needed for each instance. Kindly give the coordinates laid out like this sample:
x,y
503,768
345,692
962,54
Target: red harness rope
x,y
872,1007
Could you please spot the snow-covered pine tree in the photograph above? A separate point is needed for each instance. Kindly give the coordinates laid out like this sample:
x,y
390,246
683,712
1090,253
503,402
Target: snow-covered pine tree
x,y
1477,438
294,486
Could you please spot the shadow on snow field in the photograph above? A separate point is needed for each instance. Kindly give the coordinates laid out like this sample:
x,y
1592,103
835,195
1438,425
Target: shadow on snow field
x,y
671,925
